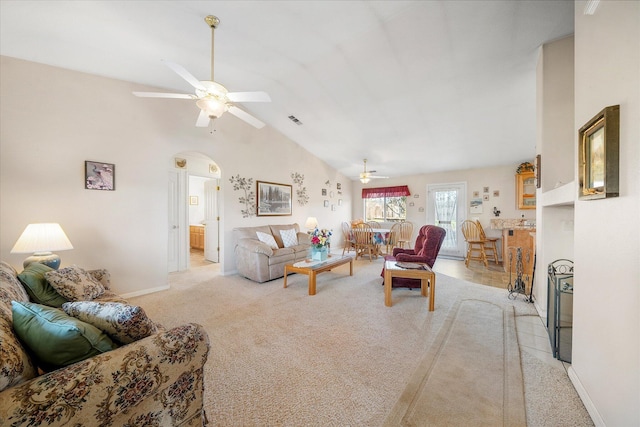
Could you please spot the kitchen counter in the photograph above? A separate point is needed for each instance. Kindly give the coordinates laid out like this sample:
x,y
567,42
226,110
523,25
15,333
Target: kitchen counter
x,y
513,224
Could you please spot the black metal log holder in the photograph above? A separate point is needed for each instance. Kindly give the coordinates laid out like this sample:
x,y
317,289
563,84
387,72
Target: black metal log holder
x,y
519,286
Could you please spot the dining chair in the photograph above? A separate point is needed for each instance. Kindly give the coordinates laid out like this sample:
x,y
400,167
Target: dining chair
x,y
364,244
490,248
475,243
406,230
374,224
349,242
394,235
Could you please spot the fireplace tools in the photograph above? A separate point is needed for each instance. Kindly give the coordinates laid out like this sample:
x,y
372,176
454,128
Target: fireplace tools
x,y
522,279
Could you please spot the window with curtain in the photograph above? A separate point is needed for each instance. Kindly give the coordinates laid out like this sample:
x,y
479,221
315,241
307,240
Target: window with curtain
x,y
385,204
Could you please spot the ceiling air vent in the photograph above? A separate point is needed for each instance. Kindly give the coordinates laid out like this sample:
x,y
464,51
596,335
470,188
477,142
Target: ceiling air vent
x,y
295,120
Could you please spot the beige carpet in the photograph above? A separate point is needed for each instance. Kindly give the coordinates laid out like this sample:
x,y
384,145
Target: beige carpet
x,y
471,375
341,358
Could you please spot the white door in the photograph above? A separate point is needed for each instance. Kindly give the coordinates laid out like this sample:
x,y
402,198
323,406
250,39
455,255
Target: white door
x,y
446,208
173,222
178,232
211,221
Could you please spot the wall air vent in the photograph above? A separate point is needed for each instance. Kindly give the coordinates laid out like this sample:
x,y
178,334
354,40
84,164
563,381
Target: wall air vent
x,y
295,120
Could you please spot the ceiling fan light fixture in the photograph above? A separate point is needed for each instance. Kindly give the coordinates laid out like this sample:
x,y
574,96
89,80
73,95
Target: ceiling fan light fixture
x,y
212,106
364,180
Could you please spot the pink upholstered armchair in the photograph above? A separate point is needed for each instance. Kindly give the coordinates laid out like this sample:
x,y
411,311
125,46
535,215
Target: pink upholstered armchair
x,y
428,243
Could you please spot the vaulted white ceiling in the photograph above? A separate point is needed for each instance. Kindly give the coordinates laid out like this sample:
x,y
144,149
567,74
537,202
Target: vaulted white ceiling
x,y
413,86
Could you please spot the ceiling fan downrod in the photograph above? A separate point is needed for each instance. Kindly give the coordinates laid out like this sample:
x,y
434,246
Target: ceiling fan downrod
x,y
212,22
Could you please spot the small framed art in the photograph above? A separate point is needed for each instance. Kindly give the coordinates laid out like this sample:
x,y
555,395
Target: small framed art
x,y
99,176
598,155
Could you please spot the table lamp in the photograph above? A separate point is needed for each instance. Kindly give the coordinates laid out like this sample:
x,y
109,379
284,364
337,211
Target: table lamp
x,y
41,239
311,223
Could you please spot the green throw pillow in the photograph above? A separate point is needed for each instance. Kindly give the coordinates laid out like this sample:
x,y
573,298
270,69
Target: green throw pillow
x,y
55,338
39,290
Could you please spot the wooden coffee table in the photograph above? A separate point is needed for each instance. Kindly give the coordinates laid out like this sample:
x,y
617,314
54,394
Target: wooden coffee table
x,y
426,276
313,268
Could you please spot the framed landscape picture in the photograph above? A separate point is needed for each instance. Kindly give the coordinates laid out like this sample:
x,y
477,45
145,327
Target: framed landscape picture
x,y
598,155
274,199
99,176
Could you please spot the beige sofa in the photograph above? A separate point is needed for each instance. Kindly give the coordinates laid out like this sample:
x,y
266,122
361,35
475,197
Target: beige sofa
x,y
257,261
157,380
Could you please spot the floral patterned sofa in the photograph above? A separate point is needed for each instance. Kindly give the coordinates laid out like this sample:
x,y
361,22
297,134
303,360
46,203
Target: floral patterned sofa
x,y
153,381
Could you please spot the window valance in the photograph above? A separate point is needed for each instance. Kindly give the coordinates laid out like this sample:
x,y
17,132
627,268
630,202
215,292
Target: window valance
x,y
398,191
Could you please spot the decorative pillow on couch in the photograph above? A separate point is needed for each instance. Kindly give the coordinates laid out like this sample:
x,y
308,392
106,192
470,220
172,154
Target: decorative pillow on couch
x,y
40,291
74,283
55,338
122,322
289,237
267,239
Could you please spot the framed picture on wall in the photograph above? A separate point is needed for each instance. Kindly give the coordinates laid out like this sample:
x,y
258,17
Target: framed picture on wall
x,y
274,199
99,176
598,155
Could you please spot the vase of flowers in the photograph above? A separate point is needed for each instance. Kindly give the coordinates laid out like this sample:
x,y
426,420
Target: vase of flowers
x,y
320,239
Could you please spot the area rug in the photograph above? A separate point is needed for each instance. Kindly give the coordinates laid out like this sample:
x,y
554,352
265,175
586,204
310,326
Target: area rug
x,y
471,375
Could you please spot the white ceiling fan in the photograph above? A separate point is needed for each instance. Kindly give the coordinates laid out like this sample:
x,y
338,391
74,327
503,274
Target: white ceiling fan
x,y
213,99
365,176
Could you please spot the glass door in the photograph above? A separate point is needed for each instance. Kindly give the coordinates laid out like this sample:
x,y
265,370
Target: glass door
x,y
446,208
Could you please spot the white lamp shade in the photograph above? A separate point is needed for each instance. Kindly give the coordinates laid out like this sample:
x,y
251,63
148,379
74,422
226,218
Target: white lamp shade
x,y
43,237
311,223
364,180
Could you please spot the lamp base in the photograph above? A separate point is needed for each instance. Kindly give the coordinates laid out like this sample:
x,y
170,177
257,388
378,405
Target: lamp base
x,y
47,258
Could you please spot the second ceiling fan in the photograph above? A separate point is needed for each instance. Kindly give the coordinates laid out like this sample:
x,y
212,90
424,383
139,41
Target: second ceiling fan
x,y
211,97
365,176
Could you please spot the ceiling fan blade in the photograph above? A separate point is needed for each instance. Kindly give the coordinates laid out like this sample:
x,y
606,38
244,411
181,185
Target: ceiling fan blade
x,y
182,72
243,115
203,120
249,97
164,95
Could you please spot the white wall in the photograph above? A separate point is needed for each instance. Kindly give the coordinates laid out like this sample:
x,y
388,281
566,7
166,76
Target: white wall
x,y
606,337
556,143
54,119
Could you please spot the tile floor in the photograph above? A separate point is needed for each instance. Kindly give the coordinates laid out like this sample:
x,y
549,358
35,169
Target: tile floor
x,y
532,331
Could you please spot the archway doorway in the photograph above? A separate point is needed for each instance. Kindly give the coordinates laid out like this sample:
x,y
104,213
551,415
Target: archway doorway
x,y
194,220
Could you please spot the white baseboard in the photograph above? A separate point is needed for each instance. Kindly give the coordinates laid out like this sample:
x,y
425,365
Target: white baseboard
x,y
145,292
229,273
541,311
586,400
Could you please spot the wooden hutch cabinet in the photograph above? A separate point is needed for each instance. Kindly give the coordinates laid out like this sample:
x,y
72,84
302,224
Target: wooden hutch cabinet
x,y
526,190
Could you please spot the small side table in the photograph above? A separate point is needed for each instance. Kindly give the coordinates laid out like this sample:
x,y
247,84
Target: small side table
x,y
426,276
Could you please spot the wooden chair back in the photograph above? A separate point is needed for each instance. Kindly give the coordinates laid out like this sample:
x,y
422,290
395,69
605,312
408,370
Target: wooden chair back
x,y
348,238
471,231
394,236
406,230
363,240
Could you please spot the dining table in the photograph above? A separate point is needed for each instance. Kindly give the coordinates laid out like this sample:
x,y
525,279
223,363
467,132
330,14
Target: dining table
x,y
380,235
